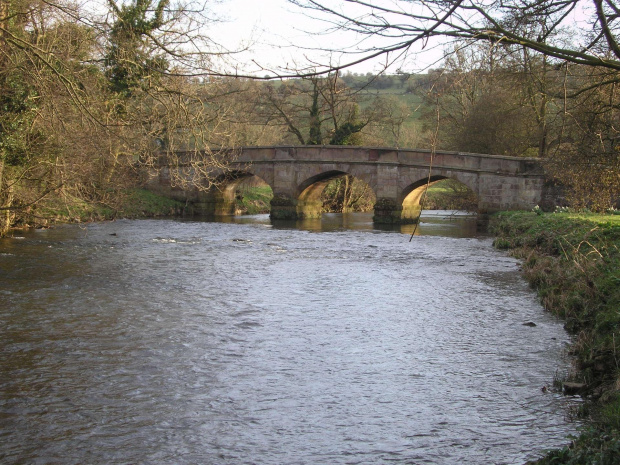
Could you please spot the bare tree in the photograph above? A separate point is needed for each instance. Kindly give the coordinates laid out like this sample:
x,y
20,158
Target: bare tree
x,y
86,95
347,194
35,39
488,102
586,157
315,110
400,24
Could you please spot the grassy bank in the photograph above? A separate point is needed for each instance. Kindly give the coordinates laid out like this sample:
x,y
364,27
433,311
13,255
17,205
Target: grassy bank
x,y
131,203
573,261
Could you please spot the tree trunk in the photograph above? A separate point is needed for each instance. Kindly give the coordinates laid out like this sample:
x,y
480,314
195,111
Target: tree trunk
x,y
5,215
346,197
542,145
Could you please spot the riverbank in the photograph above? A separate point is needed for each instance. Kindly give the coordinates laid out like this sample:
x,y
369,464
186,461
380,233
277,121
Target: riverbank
x,y
130,203
573,261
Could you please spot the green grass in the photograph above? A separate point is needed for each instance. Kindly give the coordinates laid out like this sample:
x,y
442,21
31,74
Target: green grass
x,y
595,218
132,203
592,447
439,189
573,260
254,200
142,203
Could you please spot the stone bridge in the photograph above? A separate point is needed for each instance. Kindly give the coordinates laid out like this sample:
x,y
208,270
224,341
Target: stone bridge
x,y
298,175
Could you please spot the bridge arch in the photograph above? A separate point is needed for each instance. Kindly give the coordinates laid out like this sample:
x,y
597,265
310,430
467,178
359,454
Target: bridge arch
x,y
309,199
311,188
411,196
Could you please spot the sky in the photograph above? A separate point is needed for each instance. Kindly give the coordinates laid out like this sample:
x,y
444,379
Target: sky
x,y
274,27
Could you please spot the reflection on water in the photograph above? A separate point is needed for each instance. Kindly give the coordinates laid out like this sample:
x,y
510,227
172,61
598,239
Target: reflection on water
x,y
448,223
188,342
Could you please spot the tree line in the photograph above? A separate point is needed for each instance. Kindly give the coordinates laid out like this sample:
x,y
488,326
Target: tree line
x,y
87,97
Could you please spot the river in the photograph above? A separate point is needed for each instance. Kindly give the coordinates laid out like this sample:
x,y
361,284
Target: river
x,y
187,342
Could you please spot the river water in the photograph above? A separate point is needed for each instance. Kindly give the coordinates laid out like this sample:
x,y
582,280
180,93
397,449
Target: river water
x,y
177,342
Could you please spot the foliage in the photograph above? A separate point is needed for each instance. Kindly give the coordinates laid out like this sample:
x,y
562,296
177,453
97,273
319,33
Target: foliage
x,y
315,137
313,110
86,100
18,109
504,101
348,132
331,110
587,158
592,447
128,61
34,45
491,99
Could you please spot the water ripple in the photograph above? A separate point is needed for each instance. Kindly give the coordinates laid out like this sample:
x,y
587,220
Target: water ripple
x,y
189,342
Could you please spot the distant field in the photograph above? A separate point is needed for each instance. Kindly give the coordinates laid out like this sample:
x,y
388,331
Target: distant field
x,y
413,101
405,90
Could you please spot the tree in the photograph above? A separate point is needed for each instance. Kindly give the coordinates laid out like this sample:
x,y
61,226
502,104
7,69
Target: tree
x,y
84,98
347,194
587,156
486,101
35,40
314,110
133,56
394,124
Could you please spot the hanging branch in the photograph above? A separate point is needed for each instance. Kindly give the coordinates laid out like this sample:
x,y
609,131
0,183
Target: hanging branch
x,y
430,168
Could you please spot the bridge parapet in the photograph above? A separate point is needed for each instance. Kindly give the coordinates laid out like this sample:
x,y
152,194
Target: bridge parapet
x,y
383,155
